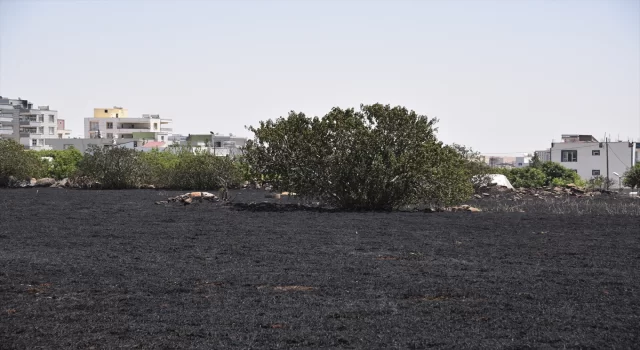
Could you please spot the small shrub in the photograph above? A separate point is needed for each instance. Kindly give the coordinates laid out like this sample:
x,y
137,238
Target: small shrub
x,y
113,167
64,162
203,170
632,177
527,177
18,163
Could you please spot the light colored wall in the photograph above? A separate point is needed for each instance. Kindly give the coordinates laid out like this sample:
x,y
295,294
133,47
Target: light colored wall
x,y
621,158
110,113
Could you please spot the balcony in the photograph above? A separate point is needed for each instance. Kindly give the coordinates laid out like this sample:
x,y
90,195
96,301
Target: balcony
x,y
166,129
29,122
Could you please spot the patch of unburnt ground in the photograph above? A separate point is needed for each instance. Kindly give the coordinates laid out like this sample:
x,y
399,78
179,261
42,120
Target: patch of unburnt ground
x,y
110,269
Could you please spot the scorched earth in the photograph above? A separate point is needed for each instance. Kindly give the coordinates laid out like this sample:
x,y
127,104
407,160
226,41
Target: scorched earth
x,y
110,269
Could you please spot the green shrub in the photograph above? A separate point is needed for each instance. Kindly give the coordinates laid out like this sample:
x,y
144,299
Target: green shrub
x,y
558,175
377,158
18,163
160,166
203,170
113,167
64,162
527,177
632,177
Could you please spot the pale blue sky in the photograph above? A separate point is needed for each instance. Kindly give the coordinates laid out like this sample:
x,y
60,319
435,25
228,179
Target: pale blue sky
x,y
502,76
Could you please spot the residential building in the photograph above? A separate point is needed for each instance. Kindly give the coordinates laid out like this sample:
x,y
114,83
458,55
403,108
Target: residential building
x,y
522,162
63,133
112,125
83,144
217,144
29,126
544,156
589,157
115,112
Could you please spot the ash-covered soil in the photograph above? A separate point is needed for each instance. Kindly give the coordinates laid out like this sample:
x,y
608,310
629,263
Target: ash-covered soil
x,y
111,269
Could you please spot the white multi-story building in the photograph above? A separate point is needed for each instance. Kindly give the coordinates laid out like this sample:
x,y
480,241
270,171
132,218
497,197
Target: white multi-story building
x,y
115,126
589,157
27,125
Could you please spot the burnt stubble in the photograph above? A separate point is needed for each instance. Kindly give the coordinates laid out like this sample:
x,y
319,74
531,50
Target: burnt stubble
x,y
110,269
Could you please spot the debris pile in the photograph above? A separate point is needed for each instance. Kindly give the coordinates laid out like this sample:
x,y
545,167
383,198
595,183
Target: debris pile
x,y
188,198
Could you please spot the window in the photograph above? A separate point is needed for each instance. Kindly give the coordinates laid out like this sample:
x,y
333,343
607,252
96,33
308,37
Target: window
x,y
94,126
109,125
34,142
595,172
52,130
218,144
595,152
52,118
569,155
41,142
106,111
41,130
161,138
109,135
116,115
41,118
155,126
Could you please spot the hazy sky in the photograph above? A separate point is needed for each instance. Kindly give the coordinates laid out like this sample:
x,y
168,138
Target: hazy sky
x,y
502,76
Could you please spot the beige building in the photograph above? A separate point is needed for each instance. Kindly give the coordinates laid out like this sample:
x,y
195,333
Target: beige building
x,y
115,112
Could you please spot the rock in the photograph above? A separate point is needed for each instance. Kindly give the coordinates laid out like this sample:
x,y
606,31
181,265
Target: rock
x,y
45,182
187,201
474,210
571,186
33,182
62,183
477,196
486,194
162,202
148,187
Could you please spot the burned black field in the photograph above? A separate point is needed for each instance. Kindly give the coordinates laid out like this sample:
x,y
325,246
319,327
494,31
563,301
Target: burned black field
x,y
111,269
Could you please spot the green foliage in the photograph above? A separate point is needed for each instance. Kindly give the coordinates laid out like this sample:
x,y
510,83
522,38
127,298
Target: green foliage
x,y
64,163
632,177
16,162
474,164
175,168
527,177
599,183
160,166
113,167
376,158
558,175
203,170
536,162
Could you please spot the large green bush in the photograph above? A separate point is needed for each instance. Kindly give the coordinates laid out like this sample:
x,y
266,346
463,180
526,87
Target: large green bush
x,y
380,157
18,163
64,163
632,177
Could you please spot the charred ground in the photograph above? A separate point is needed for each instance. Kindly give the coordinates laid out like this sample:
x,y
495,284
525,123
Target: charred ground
x,y
107,269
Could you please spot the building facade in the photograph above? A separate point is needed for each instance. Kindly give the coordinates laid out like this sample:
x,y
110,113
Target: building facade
x,y
29,126
111,125
589,157
63,133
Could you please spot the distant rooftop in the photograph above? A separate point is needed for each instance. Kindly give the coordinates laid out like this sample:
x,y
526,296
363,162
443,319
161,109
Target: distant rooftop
x,y
578,138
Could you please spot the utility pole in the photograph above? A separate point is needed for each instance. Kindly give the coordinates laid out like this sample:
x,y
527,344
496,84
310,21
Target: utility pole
x,y
606,143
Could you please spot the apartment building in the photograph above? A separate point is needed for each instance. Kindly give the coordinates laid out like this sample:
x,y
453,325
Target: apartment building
x,y
217,144
63,133
589,157
28,125
113,123
544,155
